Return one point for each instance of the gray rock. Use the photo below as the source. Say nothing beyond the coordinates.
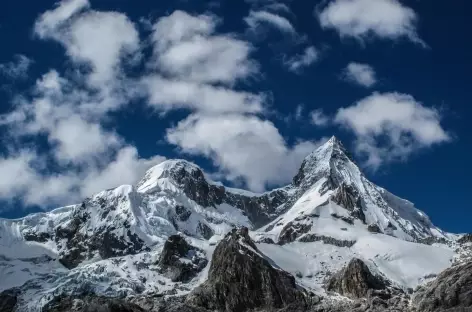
(8, 300)
(451, 291)
(355, 280)
(293, 230)
(241, 278)
(90, 303)
(180, 261)
(467, 238)
(309, 238)
(374, 228)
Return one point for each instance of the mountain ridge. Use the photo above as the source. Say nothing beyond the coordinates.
(111, 242)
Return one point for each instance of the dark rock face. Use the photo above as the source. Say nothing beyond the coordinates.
(90, 303)
(326, 240)
(39, 237)
(293, 230)
(451, 291)
(374, 228)
(347, 196)
(259, 209)
(243, 279)
(205, 231)
(467, 238)
(103, 241)
(8, 300)
(355, 280)
(180, 261)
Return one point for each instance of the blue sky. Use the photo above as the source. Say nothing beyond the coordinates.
(92, 93)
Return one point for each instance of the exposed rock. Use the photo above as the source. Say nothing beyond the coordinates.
(78, 245)
(326, 240)
(355, 280)
(347, 196)
(266, 240)
(451, 291)
(432, 240)
(260, 209)
(374, 228)
(467, 238)
(8, 300)
(241, 278)
(182, 213)
(90, 303)
(293, 230)
(180, 261)
(40, 237)
(205, 230)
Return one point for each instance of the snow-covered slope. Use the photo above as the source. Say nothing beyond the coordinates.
(329, 214)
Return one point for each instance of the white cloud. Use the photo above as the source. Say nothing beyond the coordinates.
(362, 18)
(318, 118)
(86, 156)
(257, 18)
(243, 147)
(167, 94)
(197, 68)
(50, 20)
(186, 47)
(391, 126)
(298, 62)
(361, 74)
(17, 69)
(278, 7)
(99, 39)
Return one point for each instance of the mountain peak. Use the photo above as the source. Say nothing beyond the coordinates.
(171, 168)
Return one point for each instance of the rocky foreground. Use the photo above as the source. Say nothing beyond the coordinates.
(242, 278)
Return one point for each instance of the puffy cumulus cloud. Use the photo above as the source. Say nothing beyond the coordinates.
(362, 18)
(360, 74)
(186, 47)
(98, 39)
(243, 147)
(300, 61)
(166, 94)
(195, 68)
(87, 157)
(391, 126)
(78, 155)
(257, 18)
(35, 187)
(16, 69)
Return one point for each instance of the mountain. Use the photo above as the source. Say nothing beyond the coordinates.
(165, 243)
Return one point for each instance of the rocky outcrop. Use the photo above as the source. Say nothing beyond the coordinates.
(451, 291)
(180, 261)
(309, 238)
(374, 228)
(90, 303)
(241, 278)
(77, 243)
(8, 300)
(294, 229)
(355, 280)
(259, 208)
(467, 238)
(347, 196)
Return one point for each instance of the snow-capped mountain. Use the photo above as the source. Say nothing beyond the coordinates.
(112, 244)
